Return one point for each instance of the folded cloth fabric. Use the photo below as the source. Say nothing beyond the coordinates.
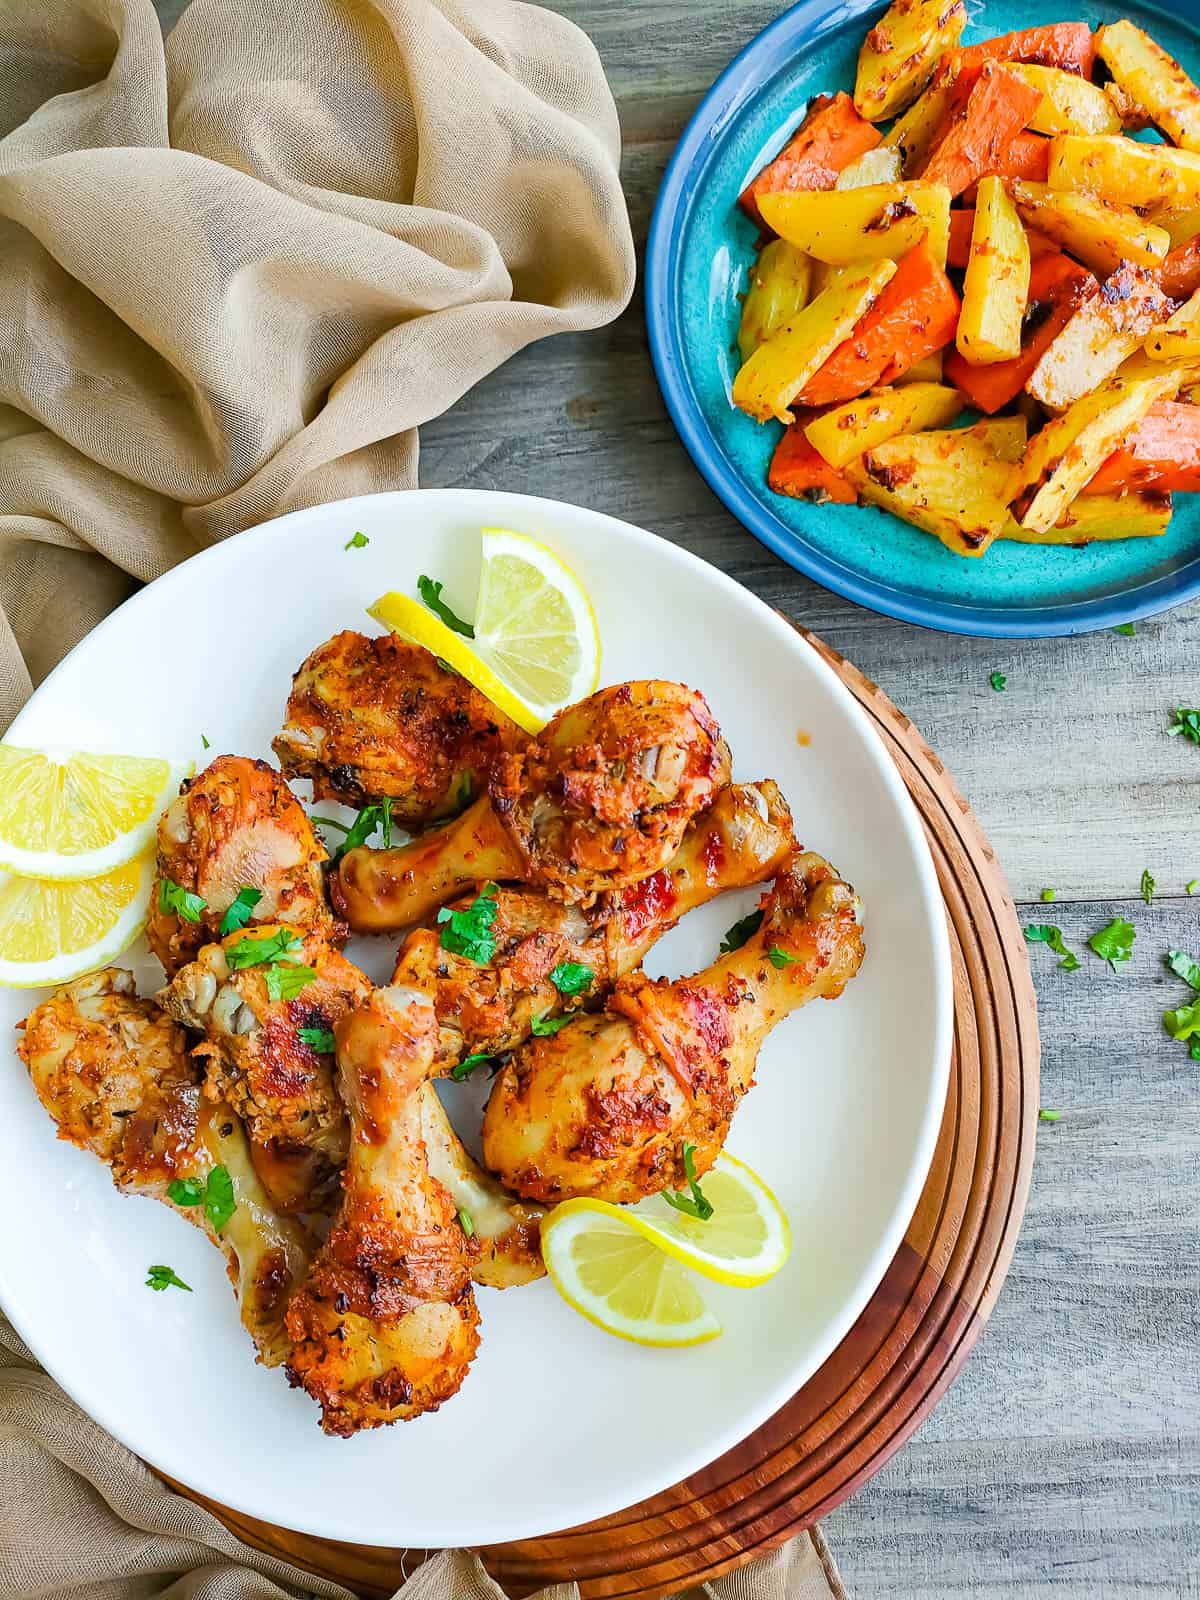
(81, 1518)
(238, 271)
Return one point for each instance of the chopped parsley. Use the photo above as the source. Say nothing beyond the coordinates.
(998, 682)
(1127, 628)
(238, 914)
(1114, 942)
(1187, 723)
(215, 1194)
(1049, 1116)
(204, 742)
(285, 983)
(1183, 1022)
(697, 1205)
(284, 945)
(466, 1223)
(1044, 933)
(1192, 886)
(1148, 885)
(469, 933)
(545, 1025)
(356, 541)
(467, 1065)
(321, 1040)
(166, 1278)
(572, 977)
(173, 897)
(741, 931)
(780, 958)
(431, 594)
(1047, 896)
(376, 815)
(1183, 966)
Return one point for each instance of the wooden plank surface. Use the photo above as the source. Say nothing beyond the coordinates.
(1066, 1459)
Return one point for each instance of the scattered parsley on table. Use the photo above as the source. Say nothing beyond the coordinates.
(1047, 896)
(1187, 723)
(1128, 628)
(1148, 885)
(1045, 933)
(998, 682)
(1114, 942)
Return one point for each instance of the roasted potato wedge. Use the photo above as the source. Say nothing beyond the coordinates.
(950, 483)
(881, 165)
(1105, 330)
(996, 285)
(1139, 514)
(1181, 224)
(847, 431)
(1070, 104)
(1153, 80)
(849, 225)
(1178, 338)
(927, 370)
(1100, 234)
(780, 368)
(913, 133)
(1122, 171)
(900, 52)
(780, 287)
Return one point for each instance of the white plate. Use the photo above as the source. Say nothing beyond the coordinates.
(557, 1423)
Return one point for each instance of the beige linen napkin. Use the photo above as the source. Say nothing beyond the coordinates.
(238, 271)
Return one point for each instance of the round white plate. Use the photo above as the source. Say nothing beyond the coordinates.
(557, 1423)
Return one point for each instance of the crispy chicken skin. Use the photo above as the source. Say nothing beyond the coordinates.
(603, 1107)
(281, 1085)
(489, 1007)
(235, 826)
(599, 800)
(116, 1076)
(385, 1325)
(374, 718)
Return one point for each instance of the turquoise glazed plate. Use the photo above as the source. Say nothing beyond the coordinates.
(700, 253)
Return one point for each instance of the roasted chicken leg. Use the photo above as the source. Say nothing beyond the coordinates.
(604, 1107)
(598, 801)
(385, 1325)
(116, 1076)
(370, 719)
(235, 826)
(488, 1006)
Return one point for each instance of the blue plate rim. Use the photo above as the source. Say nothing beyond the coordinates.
(739, 81)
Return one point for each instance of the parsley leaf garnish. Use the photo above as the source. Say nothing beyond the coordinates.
(431, 594)
(1148, 885)
(1187, 723)
(1044, 933)
(467, 1065)
(166, 1278)
(204, 742)
(1049, 1116)
(998, 681)
(1192, 886)
(542, 1027)
(469, 933)
(215, 1194)
(741, 931)
(1182, 965)
(1114, 942)
(377, 815)
(1047, 896)
(572, 977)
(356, 541)
(780, 958)
(285, 983)
(321, 1040)
(1125, 627)
(173, 897)
(466, 1223)
(697, 1206)
(252, 952)
(1183, 1022)
(238, 914)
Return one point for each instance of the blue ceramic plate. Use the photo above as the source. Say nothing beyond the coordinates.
(700, 252)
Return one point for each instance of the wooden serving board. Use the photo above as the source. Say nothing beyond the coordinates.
(906, 1348)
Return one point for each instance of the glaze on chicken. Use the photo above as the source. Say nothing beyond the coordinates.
(235, 826)
(604, 1107)
(488, 1007)
(375, 718)
(599, 801)
(385, 1326)
(115, 1074)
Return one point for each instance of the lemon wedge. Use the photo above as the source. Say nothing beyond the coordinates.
(745, 1241)
(536, 646)
(51, 932)
(67, 814)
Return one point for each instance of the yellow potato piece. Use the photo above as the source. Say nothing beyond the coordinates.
(1137, 514)
(780, 286)
(1179, 337)
(881, 165)
(1123, 171)
(841, 226)
(1070, 104)
(1100, 233)
(845, 432)
(1153, 80)
(996, 285)
(900, 52)
(1107, 328)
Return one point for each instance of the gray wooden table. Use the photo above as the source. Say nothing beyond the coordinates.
(1066, 1459)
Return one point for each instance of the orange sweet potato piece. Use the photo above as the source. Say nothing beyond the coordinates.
(799, 470)
(1057, 286)
(1070, 46)
(831, 136)
(914, 315)
(1179, 274)
(1024, 156)
(1163, 452)
(981, 129)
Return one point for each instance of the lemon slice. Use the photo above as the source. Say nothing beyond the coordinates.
(536, 645)
(743, 1243)
(616, 1277)
(66, 814)
(52, 932)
